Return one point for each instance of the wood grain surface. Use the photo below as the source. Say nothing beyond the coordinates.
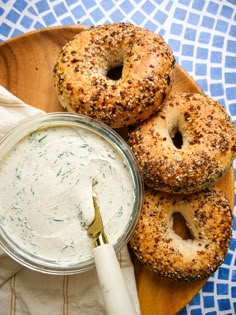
(26, 64)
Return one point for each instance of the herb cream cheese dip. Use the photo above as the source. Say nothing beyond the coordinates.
(46, 192)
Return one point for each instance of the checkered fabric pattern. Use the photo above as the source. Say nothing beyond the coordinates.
(202, 35)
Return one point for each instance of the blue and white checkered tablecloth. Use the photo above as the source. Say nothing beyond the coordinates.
(202, 35)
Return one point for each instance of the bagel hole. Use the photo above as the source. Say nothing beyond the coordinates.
(180, 227)
(177, 139)
(115, 73)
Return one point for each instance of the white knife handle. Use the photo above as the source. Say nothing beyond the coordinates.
(114, 290)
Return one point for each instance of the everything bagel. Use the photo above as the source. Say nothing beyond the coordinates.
(81, 73)
(209, 218)
(204, 153)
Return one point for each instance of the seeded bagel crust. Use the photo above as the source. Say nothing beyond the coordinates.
(209, 218)
(80, 74)
(207, 151)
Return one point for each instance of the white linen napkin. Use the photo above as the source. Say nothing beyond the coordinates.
(23, 291)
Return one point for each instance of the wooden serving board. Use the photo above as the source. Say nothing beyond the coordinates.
(26, 64)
